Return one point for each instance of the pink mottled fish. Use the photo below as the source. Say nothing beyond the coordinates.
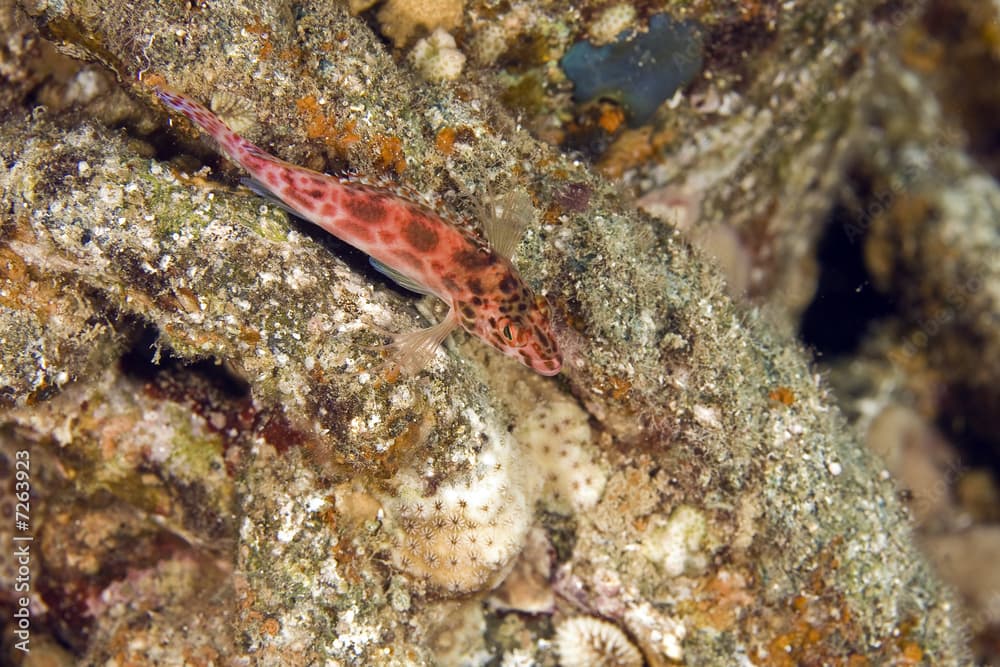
(415, 246)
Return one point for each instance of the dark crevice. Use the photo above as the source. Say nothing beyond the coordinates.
(846, 302)
(148, 358)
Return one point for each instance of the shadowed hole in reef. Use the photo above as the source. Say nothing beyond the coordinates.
(148, 357)
(846, 302)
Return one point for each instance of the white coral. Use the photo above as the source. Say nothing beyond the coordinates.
(676, 545)
(557, 437)
(518, 658)
(463, 536)
(437, 58)
(584, 641)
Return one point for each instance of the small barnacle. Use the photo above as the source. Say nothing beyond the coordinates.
(235, 111)
(584, 640)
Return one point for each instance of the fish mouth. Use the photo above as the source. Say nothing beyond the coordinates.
(540, 368)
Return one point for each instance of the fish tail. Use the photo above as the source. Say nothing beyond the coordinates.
(236, 147)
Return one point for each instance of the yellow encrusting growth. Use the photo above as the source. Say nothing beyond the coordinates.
(612, 22)
(402, 20)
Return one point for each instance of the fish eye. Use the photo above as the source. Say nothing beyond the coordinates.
(514, 336)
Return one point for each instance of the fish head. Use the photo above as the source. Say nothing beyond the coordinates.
(520, 326)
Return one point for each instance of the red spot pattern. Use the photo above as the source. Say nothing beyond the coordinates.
(408, 237)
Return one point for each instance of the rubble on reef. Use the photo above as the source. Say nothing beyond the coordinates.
(225, 472)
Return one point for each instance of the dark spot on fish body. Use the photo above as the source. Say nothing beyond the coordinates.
(297, 200)
(474, 260)
(365, 208)
(420, 234)
(410, 259)
(253, 162)
(388, 237)
(476, 287)
(468, 323)
(467, 311)
(358, 231)
(508, 285)
(477, 301)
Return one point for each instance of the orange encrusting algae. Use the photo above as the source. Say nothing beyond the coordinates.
(411, 243)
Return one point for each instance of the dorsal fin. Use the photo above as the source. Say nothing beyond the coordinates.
(504, 219)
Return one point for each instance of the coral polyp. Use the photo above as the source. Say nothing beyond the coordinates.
(585, 641)
(462, 537)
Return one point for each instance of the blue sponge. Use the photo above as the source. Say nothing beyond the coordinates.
(640, 73)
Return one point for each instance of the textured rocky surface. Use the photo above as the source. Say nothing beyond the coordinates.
(684, 491)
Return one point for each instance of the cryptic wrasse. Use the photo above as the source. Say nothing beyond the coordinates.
(414, 245)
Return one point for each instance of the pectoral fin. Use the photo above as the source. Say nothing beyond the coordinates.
(397, 277)
(413, 351)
